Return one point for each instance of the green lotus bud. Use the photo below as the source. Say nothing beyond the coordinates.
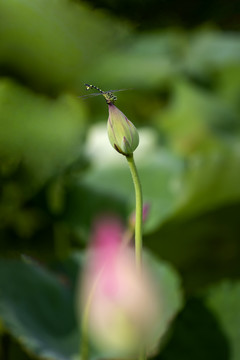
(122, 133)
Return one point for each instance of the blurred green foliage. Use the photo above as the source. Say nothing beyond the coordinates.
(58, 171)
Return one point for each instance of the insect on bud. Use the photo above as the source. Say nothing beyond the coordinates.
(122, 133)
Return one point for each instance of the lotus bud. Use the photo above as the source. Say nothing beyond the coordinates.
(122, 133)
(124, 305)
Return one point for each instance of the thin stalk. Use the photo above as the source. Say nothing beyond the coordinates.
(84, 337)
(139, 210)
(84, 353)
(138, 225)
(84, 332)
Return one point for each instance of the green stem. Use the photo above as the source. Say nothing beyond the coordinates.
(84, 333)
(139, 210)
(138, 225)
(84, 346)
(142, 354)
(84, 352)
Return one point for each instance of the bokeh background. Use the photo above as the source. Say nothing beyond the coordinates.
(181, 64)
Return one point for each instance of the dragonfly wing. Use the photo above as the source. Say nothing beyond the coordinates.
(89, 95)
(112, 91)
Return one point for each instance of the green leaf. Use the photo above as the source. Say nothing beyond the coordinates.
(224, 302)
(196, 335)
(206, 185)
(37, 308)
(45, 134)
(211, 50)
(196, 119)
(170, 291)
(204, 248)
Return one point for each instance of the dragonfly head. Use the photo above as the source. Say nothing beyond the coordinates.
(109, 97)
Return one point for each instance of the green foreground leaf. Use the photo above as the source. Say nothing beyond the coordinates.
(208, 327)
(224, 301)
(37, 308)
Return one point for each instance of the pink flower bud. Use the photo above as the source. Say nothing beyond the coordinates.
(124, 304)
(122, 134)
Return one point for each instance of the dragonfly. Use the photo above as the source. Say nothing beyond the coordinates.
(108, 95)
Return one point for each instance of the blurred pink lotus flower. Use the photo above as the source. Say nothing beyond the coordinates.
(124, 304)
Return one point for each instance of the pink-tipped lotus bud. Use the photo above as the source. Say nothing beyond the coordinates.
(122, 133)
(123, 304)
